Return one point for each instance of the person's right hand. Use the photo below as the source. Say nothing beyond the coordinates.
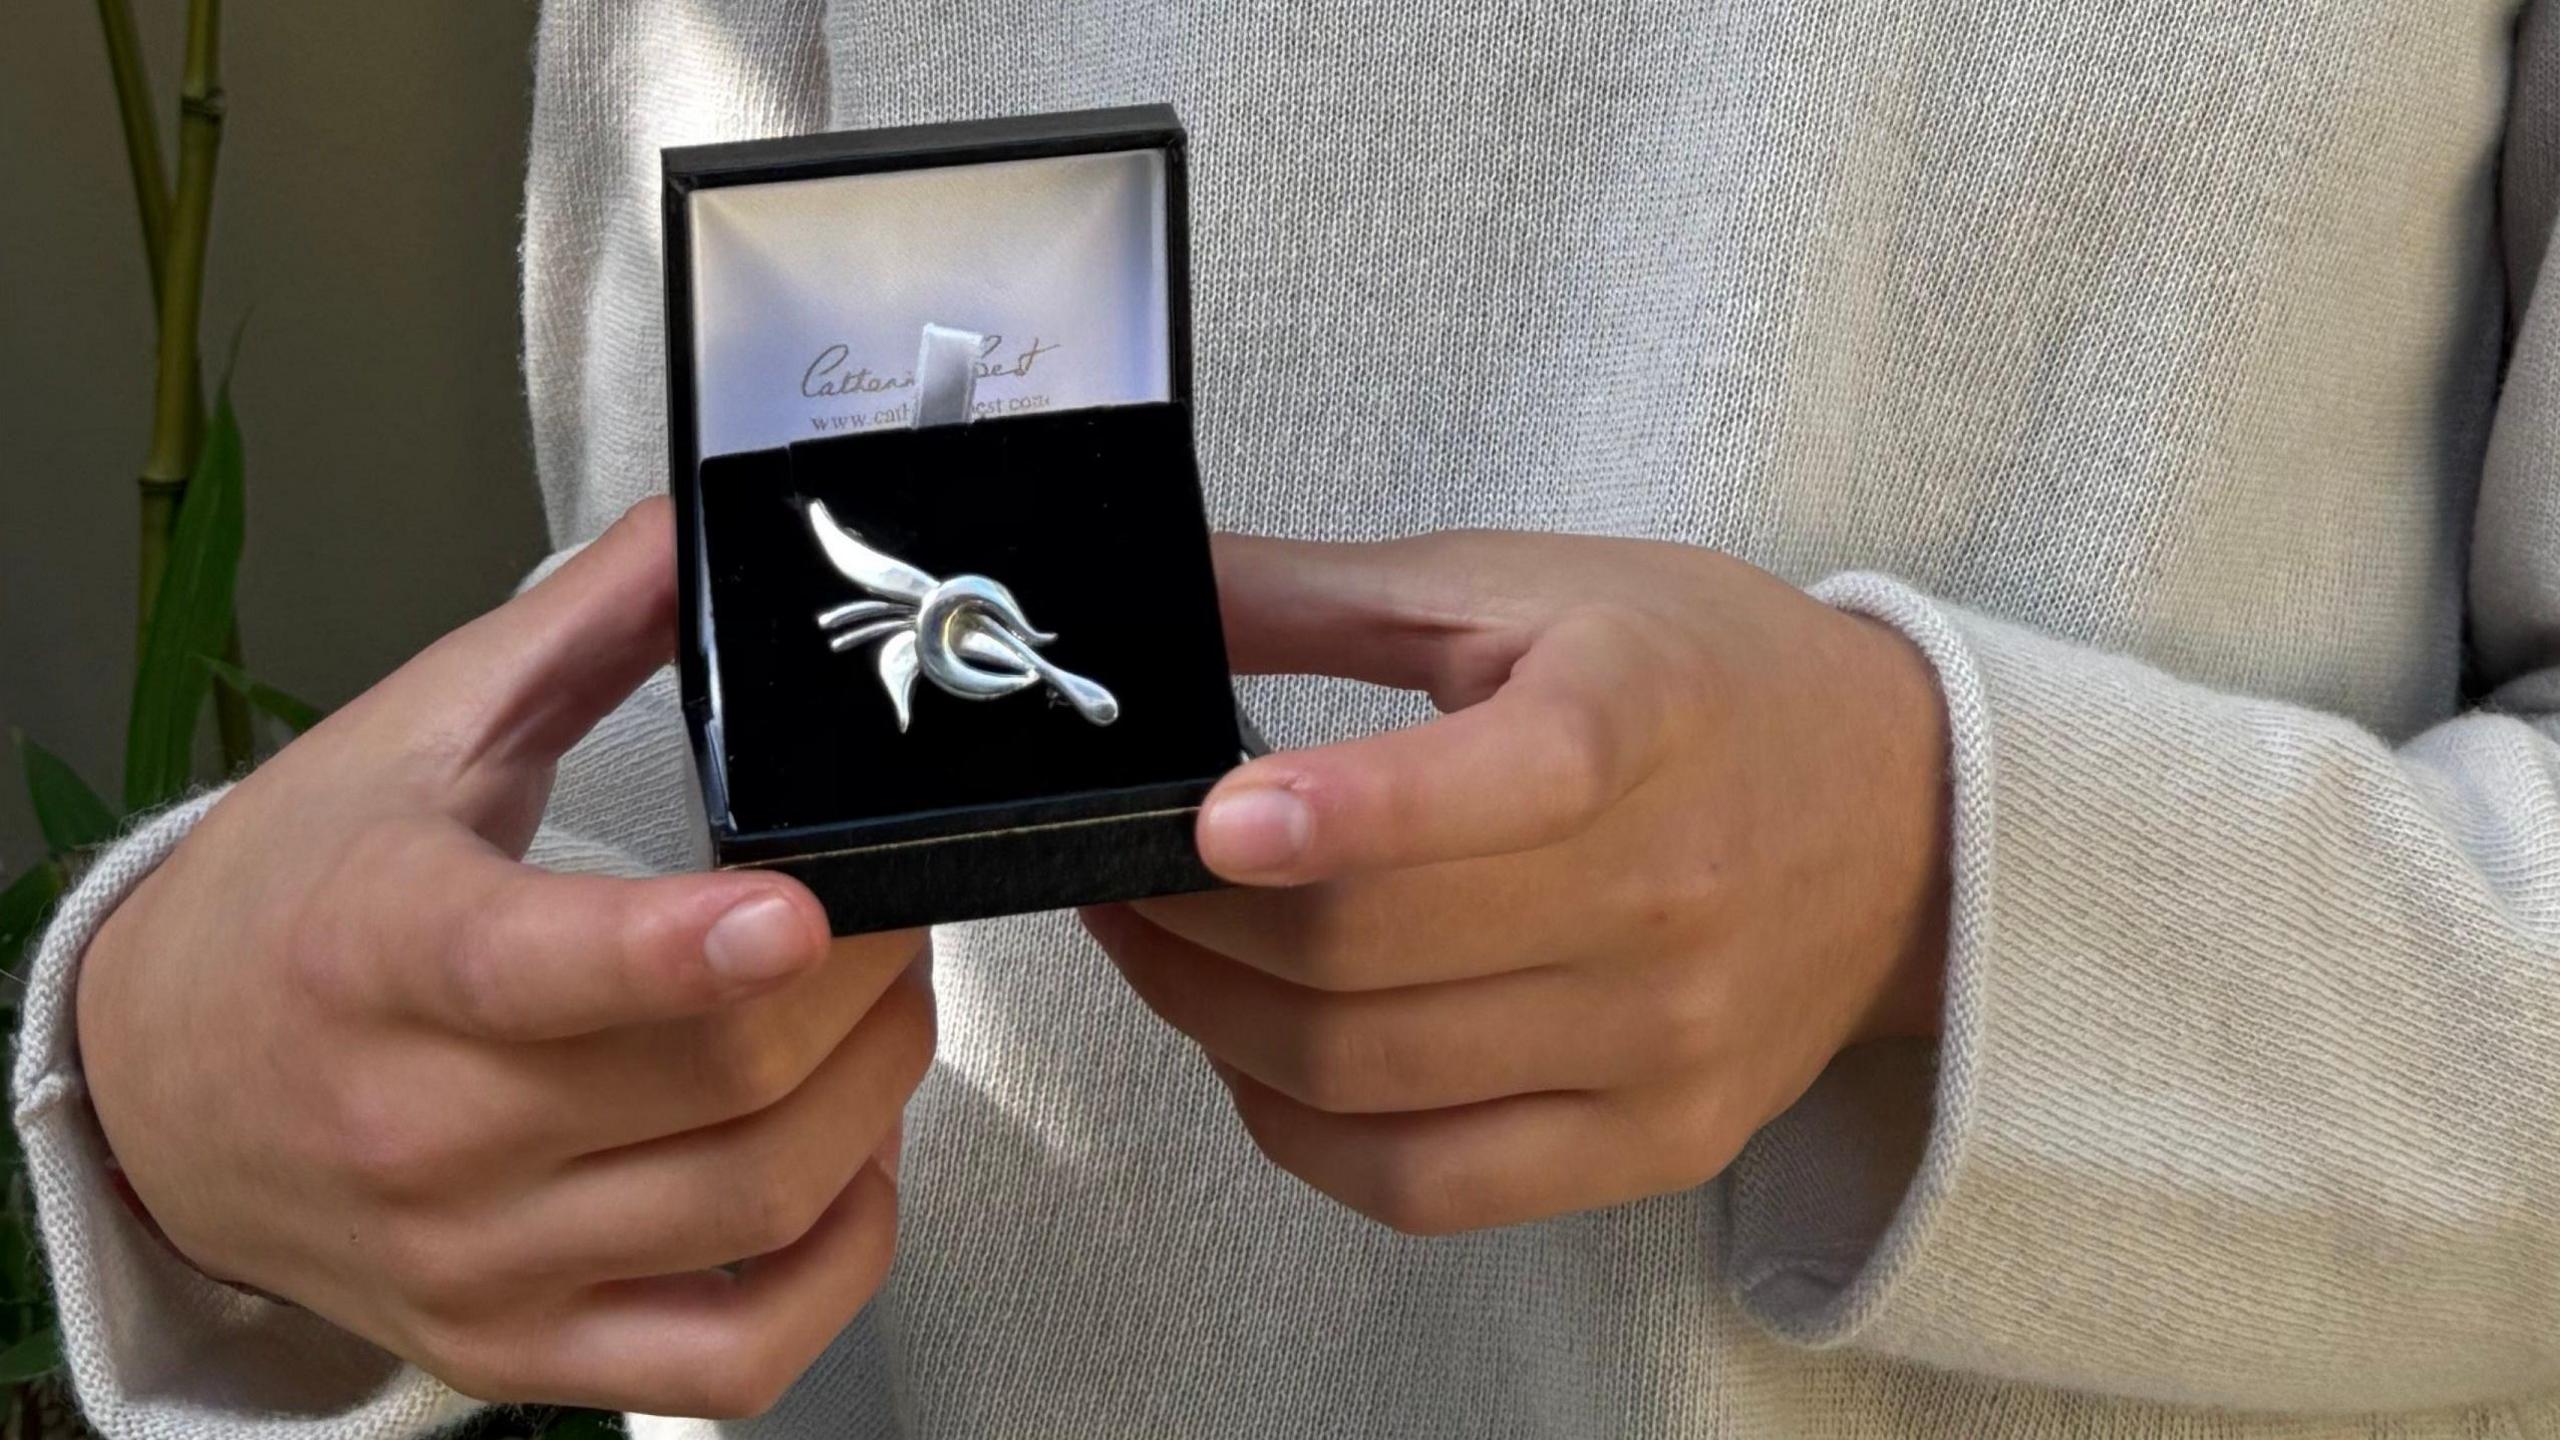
(514, 1126)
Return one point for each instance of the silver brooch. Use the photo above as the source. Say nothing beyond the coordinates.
(967, 634)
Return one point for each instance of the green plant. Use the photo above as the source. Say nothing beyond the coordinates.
(193, 524)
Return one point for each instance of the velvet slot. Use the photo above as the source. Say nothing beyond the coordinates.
(1093, 519)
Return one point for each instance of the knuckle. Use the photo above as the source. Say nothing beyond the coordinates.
(436, 1272)
(776, 1201)
(1460, 544)
(1668, 1017)
(754, 1219)
(1612, 628)
(1262, 1115)
(1691, 901)
(1583, 761)
(390, 1146)
(323, 944)
(738, 1374)
(314, 949)
(1695, 1142)
(395, 845)
(1414, 1192)
(888, 950)
(746, 1065)
(1620, 652)
(912, 1033)
(1335, 1061)
(484, 1367)
(1256, 1120)
(1684, 1035)
(478, 959)
(743, 1390)
(1329, 951)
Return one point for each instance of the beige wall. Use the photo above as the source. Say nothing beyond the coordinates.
(366, 227)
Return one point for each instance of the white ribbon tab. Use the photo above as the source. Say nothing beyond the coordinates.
(947, 376)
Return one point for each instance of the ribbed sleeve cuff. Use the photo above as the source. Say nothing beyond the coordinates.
(2245, 1077)
(1834, 1202)
(154, 1348)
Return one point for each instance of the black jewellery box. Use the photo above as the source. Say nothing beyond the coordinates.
(950, 641)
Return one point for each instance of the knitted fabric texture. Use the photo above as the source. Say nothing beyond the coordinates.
(2185, 367)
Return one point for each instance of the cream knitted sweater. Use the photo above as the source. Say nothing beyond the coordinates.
(2186, 364)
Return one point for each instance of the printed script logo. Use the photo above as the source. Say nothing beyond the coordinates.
(828, 378)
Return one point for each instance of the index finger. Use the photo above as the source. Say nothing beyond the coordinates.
(458, 935)
(1415, 614)
(1576, 725)
(497, 701)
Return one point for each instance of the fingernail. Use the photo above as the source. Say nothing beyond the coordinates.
(1252, 831)
(757, 940)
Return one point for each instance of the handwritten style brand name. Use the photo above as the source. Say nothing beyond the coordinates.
(827, 376)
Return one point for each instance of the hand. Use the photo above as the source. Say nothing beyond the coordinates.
(1678, 841)
(504, 1122)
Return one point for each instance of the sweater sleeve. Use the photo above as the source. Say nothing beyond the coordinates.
(2249, 1086)
(155, 1349)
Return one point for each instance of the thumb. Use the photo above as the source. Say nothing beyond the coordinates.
(466, 939)
(1573, 729)
(496, 702)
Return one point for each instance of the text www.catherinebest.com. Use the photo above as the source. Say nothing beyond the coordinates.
(904, 414)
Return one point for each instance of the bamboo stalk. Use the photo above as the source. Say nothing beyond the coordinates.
(176, 421)
(177, 412)
(141, 135)
(142, 153)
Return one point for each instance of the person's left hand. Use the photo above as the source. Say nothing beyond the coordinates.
(1678, 840)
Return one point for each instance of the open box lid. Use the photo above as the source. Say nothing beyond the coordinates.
(800, 271)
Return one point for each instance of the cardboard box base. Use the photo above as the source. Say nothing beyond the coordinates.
(1003, 872)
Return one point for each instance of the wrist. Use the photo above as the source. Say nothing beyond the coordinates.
(1906, 760)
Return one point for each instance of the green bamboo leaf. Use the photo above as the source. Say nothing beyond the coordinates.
(189, 620)
(37, 1355)
(24, 905)
(296, 715)
(69, 813)
(17, 1261)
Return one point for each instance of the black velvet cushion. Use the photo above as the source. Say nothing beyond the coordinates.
(1092, 518)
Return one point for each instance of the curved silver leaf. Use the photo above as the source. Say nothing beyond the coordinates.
(847, 613)
(898, 673)
(884, 576)
(861, 633)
